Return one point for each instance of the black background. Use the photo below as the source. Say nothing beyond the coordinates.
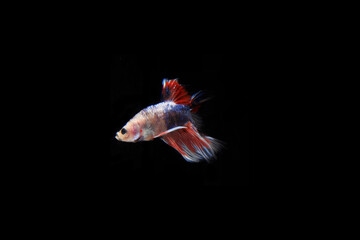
(136, 82)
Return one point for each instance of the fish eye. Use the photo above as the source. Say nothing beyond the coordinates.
(123, 131)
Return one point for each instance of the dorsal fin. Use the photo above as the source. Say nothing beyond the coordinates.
(173, 91)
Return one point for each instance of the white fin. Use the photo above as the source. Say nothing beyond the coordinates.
(169, 131)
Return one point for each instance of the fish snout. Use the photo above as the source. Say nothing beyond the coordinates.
(117, 136)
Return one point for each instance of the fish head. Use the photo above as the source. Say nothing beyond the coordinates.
(129, 133)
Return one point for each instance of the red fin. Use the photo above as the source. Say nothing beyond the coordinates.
(191, 145)
(173, 91)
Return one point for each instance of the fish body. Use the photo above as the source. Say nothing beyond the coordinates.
(174, 121)
(154, 120)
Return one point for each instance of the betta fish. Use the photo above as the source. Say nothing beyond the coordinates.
(175, 122)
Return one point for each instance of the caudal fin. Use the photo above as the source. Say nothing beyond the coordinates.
(191, 145)
(173, 91)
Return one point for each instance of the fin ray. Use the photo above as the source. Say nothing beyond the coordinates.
(173, 91)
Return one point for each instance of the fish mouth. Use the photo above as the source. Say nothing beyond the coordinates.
(117, 137)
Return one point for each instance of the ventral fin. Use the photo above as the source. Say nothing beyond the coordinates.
(169, 131)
